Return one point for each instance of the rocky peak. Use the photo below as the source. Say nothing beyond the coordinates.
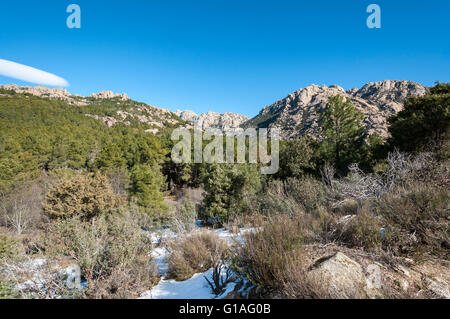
(42, 91)
(227, 121)
(297, 114)
(109, 95)
(390, 91)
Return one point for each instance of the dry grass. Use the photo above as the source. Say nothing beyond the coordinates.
(195, 253)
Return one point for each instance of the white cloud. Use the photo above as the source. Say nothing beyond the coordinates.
(29, 74)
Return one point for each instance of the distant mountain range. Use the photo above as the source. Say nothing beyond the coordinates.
(295, 116)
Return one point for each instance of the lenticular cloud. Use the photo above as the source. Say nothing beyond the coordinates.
(29, 74)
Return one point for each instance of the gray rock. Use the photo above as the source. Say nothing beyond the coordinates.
(297, 114)
(340, 277)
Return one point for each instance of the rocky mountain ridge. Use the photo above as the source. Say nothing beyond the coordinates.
(297, 114)
(227, 121)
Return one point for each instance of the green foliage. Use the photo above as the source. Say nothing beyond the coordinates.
(9, 247)
(424, 121)
(7, 290)
(296, 158)
(147, 183)
(82, 194)
(292, 196)
(39, 134)
(343, 133)
(186, 215)
(226, 187)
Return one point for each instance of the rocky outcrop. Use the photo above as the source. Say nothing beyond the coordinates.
(109, 95)
(297, 114)
(226, 122)
(45, 92)
(339, 276)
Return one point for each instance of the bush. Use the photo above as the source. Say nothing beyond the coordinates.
(7, 290)
(292, 196)
(419, 215)
(274, 259)
(265, 254)
(195, 253)
(296, 158)
(10, 248)
(83, 194)
(186, 214)
(361, 230)
(109, 249)
(226, 188)
(423, 122)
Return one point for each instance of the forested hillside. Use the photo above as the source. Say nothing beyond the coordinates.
(89, 182)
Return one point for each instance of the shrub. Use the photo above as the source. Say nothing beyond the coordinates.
(22, 208)
(296, 158)
(186, 214)
(10, 248)
(274, 259)
(292, 196)
(83, 194)
(109, 249)
(195, 253)
(361, 230)
(423, 121)
(7, 290)
(264, 255)
(419, 214)
(226, 188)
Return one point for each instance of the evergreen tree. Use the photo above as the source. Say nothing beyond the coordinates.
(343, 133)
(147, 183)
(423, 122)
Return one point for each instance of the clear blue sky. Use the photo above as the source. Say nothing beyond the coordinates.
(228, 55)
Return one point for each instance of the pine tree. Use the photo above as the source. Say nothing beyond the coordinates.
(423, 122)
(146, 185)
(343, 133)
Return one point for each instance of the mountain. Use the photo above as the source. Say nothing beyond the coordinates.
(297, 114)
(227, 121)
(106, 106)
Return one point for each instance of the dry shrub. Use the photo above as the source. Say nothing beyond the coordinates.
(360, 230)
(109, 250)
(264, 255)
(21, 210)
(195, 253)
(418, 216)
(274, 260)
(82, 194)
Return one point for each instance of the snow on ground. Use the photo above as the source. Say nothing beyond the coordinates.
(196, 287)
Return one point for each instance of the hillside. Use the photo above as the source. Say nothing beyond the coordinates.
(297, 114)
(106, 106)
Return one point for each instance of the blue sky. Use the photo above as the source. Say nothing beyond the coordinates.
(236, 56)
